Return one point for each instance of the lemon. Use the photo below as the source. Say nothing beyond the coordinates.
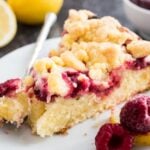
(142, 140)
(34, 11)
(8, 24)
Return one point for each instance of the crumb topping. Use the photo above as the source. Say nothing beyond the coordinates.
(90, 52)
(139, 48)
(79, 28)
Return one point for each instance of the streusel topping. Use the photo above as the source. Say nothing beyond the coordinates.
(83, 26)
(139, 48)
(90, 53)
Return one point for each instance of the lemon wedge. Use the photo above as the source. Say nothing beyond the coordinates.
(8, 24)
(33, 11)
(142, 140)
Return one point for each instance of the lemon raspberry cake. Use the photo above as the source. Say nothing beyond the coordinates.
(99, 64)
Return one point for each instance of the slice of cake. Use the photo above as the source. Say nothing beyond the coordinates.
(14, 103)
(98, 65)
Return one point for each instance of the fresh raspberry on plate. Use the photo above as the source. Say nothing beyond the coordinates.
(135, 115)
(113, 137)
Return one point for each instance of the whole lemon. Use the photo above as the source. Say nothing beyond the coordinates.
(34, 11)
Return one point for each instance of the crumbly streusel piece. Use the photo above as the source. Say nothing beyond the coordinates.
(139, 48)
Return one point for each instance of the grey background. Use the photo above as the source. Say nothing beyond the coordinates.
(27, 34)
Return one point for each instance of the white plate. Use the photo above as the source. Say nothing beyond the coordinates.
(80, 137)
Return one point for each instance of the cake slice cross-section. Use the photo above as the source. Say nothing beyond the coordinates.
(98, 64)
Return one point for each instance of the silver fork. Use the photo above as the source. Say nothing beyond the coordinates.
(50, 19)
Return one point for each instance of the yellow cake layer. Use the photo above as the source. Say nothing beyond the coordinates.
(64, 113)
(14, 109)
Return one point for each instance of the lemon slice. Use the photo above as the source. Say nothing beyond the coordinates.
(8, 24)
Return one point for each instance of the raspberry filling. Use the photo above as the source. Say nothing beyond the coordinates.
(137, 64)
(114, 81)
(80, 83)
(41, 89)
(9, 87)
(142, 3)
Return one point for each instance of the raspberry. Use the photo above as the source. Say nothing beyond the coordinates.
(9, 86)
(78, 82)
(135, 115)
(137, 64)
(113, 137)
(41, 90)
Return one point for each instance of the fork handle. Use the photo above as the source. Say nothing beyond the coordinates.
(50, 19)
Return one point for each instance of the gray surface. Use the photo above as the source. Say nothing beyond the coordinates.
(27, 34)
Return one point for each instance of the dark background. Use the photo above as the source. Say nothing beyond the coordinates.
(27, 34)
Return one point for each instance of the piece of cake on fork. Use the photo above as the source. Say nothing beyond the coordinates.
(99, 64)
(14, 102)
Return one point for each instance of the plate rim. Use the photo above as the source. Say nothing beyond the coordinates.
(30, 44)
